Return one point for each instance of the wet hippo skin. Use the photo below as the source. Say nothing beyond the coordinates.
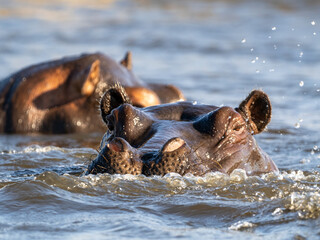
(182, 137)
(62, 96)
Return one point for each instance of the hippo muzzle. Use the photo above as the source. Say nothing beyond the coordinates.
(182, 137)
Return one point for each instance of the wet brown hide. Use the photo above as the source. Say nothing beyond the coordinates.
(183, 137)
(62, 96)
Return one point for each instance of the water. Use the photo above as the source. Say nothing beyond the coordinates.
(216, 52)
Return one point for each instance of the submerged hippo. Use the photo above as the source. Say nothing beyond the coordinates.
(182, 137)
(61, 96)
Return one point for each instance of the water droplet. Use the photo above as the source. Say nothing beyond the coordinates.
(78, 123)
(257, 58)
(257, 71)
(314, 34)
(253, 61)
(243, 40)
(313, 23)
(277, 211)
(297, 125)
(264, 61)
(273, 28)
(271, 70)
(315, 147)
(269, 37)
(275, 47)
(301, 83)
(318, 90)
(251, 49)
(292, 29)
(301, 54)
(136, 120)
(305, 160)
(298, 45)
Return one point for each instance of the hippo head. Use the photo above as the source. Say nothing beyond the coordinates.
(61, 96)
(90, 75)
(182, 137)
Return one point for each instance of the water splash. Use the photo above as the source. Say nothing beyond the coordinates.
(306, 204)
(301, 83)
(277, 212)
(241, 225)
(300, 54)
(34, 149)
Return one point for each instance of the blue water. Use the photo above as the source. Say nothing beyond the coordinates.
(216, 52)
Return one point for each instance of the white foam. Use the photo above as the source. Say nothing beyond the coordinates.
(307, 204)
(241, 225)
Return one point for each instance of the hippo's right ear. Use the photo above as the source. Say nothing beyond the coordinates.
(127, 61)
(111, 99)
(256, 110)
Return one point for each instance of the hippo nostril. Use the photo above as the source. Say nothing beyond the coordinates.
(172, 145)
(119, 145)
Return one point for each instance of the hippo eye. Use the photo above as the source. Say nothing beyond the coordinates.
(239, 129)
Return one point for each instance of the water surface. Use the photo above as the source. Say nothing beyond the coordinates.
(216, 52)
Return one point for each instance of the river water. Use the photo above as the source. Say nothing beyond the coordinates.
(216, 52)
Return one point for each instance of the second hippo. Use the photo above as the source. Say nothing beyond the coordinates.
(61, 96)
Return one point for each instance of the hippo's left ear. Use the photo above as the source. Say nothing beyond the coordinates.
(111, 99)
(256, 110)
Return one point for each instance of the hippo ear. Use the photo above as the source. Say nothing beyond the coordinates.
(142, 97)
(256, 110)
(91, 79)
(127, 61)
(111, 99)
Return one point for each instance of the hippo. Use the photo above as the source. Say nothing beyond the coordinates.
(61, 96)
(182, 137)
